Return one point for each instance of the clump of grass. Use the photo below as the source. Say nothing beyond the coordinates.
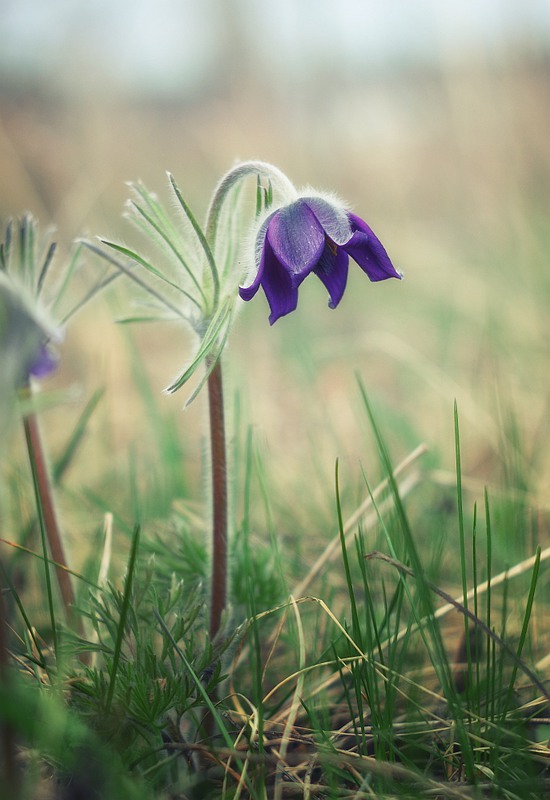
(382, 673)
(390, 647)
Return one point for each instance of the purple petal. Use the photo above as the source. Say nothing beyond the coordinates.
(368, 251)
(333, 219)
(44, 362)
(332, 270)
(297, 240)
(281, 295)
(248, 292)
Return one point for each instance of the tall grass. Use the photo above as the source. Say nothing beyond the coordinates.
(364, 676)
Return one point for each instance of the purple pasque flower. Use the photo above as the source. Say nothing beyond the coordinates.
(313, 234)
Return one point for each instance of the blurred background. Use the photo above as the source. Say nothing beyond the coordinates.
(430, 119)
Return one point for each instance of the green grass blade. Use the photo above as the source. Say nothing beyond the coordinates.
(423, 604)
(524, 631)
(64, 461)
(349, 580)
(30, 628)
(461, 536)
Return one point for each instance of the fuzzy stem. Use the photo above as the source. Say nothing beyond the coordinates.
(45, 498)
(218, 588)
(278, 180)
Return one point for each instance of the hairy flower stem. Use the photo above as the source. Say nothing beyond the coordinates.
(218, 454)
(45, 500)
(281, 184)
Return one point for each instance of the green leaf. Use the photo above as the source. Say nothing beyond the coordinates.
(125, 269)
(201, 237)
(207, 344)
(72, 445)
(149, 267)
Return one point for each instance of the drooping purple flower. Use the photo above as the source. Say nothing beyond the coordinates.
(316, 235)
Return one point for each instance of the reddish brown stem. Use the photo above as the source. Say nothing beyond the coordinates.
(218, 589)
(43, 487)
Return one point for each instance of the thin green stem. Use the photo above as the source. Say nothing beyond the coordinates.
(218, 455)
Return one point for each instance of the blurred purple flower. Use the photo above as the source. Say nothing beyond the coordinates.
(26, 334)
(44, 362)
(317, 235)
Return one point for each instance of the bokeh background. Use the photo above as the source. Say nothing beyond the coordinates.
(431, 119)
